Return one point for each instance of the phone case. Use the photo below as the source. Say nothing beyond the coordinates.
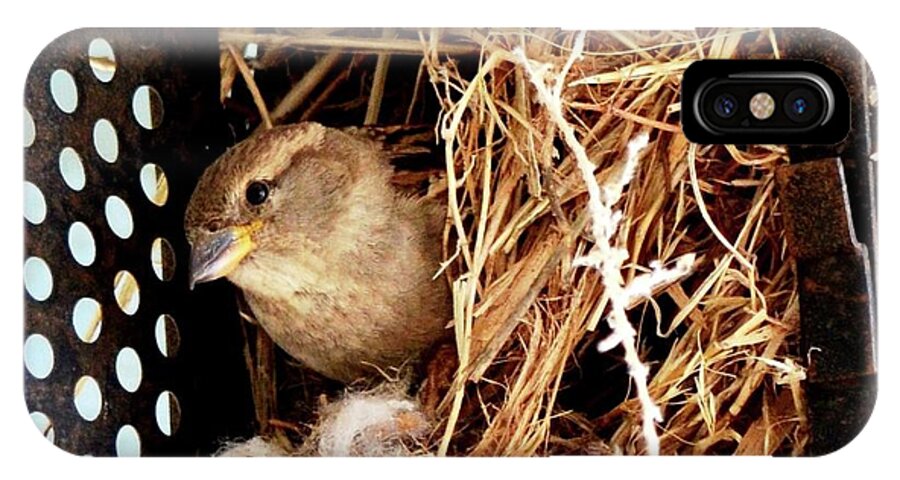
(467, 242)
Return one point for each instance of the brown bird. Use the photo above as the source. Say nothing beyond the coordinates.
(335, 263)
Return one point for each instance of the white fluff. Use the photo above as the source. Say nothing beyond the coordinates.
(376, 423)
(370, 424)
(255, 447)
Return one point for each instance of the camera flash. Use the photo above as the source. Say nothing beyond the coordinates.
(762, 106)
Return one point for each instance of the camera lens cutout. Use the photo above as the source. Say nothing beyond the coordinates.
(725, 105)
(801, 105)
(763, 101)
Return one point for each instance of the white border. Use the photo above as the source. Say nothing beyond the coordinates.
(870, 26)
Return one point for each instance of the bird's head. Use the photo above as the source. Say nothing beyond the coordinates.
(277, 192)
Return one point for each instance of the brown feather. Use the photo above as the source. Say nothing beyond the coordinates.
(341, 273)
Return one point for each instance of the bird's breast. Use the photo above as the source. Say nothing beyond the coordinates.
(334, 333)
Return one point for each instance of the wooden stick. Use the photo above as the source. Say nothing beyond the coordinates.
(347, 44)
(301, 91)
(251, 84)
(377, 92)
(319, 102)
(415, 94)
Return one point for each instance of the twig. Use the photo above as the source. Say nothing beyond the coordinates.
(415, 93)
(448, 131)
(666, 127)
(229, 71)
(251, 85)
(462, 327)
(277, 423)
(299, 92)
(323, 97)
(347, 44)
(701, 206)
(259, 357)
(377, 92)
(634, 73)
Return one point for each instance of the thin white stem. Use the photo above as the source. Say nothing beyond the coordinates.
(605, 256)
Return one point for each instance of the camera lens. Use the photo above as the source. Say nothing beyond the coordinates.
(725, 105)
(801, 105)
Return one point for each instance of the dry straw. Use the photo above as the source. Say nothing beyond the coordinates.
(563, 151)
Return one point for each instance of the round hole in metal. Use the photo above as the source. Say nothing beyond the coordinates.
(106, 140)
(102, 59)
(128, 369)
(127, 292)
(88, 399)
(35, 205)
(147, 106)
(168, 339)
(118, 217)
(87, 318)
(155, 184)
(38, 356)
(64, 90)
(38, 279)
(44, 425)
(29, 128)
(71, 168)
(128, 442)
(162, 259)
(168, 413)
(81, 244)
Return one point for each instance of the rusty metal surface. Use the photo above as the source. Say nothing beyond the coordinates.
(815, 209)
(833, 234)
(828, 200)
(836, 317)
(857, 151)
(834, 277)
(207, 374)
(833, 270)
(838, 411)
(837, 323)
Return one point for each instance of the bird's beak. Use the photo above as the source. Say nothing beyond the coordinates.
(217, 254)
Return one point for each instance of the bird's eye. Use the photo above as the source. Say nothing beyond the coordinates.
(257, 193)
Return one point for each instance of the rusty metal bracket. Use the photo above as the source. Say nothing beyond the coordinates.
(828, 201)
(836, 307)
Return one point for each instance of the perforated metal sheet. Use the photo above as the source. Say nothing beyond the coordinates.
(207, 373)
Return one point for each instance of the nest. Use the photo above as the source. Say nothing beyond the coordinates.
(671, 256)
